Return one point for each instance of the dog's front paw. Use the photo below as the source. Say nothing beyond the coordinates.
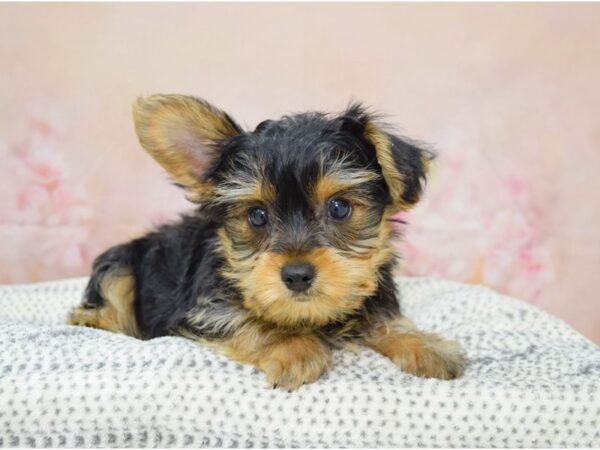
(429, 356)
(422, 354)
(295, 361)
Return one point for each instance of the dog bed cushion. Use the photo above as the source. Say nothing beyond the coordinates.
(531, 381)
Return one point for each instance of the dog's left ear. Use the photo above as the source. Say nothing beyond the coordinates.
(403, 164)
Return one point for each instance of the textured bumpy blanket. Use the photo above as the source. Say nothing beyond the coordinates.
(531, 381)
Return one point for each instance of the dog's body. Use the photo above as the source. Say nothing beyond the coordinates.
(288, 254)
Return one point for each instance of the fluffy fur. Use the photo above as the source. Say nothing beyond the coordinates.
(216, 277)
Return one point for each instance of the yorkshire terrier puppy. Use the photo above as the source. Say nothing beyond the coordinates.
(289, 251)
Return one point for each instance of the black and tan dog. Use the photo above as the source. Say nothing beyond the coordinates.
(289, 252)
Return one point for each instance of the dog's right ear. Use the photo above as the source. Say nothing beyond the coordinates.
(182, 134)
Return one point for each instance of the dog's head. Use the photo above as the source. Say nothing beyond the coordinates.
(303, 202)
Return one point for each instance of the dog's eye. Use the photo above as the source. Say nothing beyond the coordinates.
(257, 217)
(339, 208)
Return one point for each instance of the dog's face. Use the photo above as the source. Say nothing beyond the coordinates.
(303, 202)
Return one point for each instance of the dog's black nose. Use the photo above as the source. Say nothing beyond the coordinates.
(298, 277)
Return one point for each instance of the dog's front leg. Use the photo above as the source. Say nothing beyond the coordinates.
(288, 359)
(294, 361)
(422, 354)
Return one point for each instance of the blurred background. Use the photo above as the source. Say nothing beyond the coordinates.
(508, 94)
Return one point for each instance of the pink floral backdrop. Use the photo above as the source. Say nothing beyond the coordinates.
(512, 201)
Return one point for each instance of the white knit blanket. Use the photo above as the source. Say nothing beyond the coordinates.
(531, 381)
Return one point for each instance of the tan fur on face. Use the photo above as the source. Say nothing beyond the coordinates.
(117, 314)
(422, 354)
(336, 182)
(343, 279)
(180, 133)
(244, 192)
(339, 288)
(245, 189)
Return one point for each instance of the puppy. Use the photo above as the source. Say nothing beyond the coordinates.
(289, 251)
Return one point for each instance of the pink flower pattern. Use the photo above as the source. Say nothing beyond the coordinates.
(472, 233)
(44, 214)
